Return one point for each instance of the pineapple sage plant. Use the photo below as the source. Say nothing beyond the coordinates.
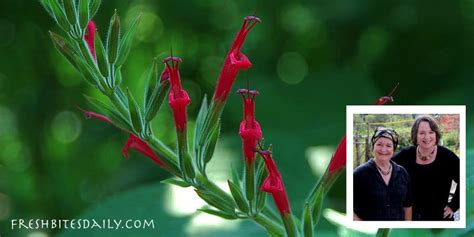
(100, 62)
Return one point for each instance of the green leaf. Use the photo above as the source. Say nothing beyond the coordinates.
(94, 7)
(235, 175)
(210, 143)
(46, 5)
(156, 99)
(177, 182)
(135, 114)
(126, 41)
(218, 213)
(113, 38)
(83, 14)
(71, 12)
(200, 119)
(110, 112)
(117, 76)
(238, 197)
(152, 80)
(261, 174)
(307, 221)
(65, 48)
(214, 201)
(60, 15)
(101, 56)
(317, 204)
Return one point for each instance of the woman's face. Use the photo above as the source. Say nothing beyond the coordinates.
(383, 149)
(425, 138)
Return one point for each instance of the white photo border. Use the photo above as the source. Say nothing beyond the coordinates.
(406, 109)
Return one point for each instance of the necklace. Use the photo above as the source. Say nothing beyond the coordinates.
(384, 173)
(427, 157)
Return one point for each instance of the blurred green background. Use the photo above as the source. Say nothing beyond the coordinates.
(310, 59)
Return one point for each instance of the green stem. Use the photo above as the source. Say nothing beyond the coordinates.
(269, 225)
(289, 225)
(119, 103)
(185, 162)
(250, 183)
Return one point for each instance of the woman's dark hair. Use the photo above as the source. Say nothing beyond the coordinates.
(386, 133)
(433, 125)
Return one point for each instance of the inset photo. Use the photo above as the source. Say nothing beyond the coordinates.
(406, 166)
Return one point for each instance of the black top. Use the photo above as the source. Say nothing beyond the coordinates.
(374, 200)
(431, 183)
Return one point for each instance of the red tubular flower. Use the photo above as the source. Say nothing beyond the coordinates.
(133, 141)
(250, 130)
(273, 184)
(138, 144)
(178, 98)
(234, 61)
(89, 36)
(90, 114)
(338, 160)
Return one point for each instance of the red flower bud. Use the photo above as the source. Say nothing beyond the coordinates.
(138, 144)
(90, 114)
(273, 184)
(338, 160)
(249, 130)
(89, 36)
(178, 98)
(383, 100)
(234, 61)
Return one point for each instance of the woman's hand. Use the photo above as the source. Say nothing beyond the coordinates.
(448, 213)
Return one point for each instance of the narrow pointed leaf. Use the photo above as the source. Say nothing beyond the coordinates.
(113, 38)
(101, 56)
(46, 5)
(65, 48)
(317, 204)
(70, 9)
(110, 112)
(235, 175)
(152, 80)
(118, 76)
(126, 41)
(238, 197)
(214, 201)
(261, 174)
(94, 7)
(83, 14)
(218, 213)
(211, 142)
(307, 221)
(135, 114)
(201, 117)
(177, 182)
(60, 15)
(156, 100)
